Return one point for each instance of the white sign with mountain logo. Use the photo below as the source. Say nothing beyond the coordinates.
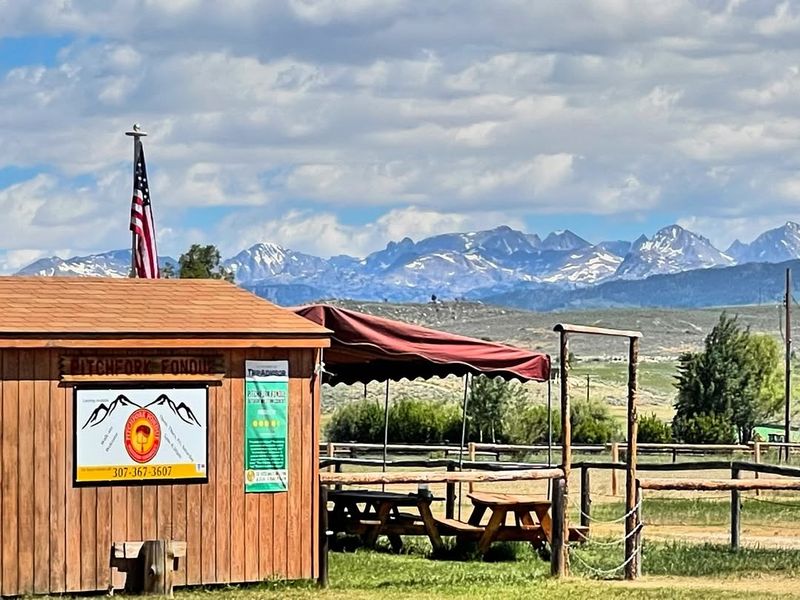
(139, 434)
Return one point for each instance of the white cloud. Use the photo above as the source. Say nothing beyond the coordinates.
(323, 234)
(722, 231)
(628, 195)
(443, 109)
(12, 261)
(784, 20)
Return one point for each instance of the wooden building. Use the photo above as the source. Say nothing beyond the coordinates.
(59, 334)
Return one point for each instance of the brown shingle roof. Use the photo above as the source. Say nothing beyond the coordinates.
(51, 305)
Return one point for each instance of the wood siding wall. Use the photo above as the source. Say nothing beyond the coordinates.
(56, 537)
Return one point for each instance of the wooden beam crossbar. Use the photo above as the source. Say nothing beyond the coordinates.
(589, 330)
(438, 476)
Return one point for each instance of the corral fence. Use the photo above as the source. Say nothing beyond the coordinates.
(483, 453)
(453, 472)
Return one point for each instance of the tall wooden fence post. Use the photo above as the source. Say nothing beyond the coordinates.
(736, 528)
(323, 536)
(560, 502)
(586, 497)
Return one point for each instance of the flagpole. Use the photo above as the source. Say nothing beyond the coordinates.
(136, 133)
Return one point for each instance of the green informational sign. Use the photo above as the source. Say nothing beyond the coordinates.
(266, 412)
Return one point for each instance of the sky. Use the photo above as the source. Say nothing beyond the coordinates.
(334, 126)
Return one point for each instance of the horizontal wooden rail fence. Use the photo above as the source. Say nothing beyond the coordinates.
(719, 484)
(475, 449)
(439, 476)
(428, 463)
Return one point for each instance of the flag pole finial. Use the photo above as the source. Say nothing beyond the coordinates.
(136, 131)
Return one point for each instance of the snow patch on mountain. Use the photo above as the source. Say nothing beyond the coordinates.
(776, 245)
(671, 250)
(585, 267)
(115, 263)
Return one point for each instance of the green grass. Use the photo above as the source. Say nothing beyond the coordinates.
(768, 510)
(657, 378)
(379, 575)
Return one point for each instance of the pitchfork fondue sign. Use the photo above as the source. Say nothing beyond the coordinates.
(140, 434)
(141, 365)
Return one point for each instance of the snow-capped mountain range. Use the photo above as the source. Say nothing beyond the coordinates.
(474, 264)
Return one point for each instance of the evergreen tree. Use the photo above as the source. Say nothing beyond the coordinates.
(203, 262)
(729, 387)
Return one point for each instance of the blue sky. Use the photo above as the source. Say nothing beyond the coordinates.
(334, 126)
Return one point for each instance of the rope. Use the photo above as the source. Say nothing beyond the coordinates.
(633, 532)
(619, 520)
(604, 572)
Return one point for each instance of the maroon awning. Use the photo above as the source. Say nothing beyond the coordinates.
(365, 348)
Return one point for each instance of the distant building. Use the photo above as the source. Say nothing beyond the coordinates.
(770, 432)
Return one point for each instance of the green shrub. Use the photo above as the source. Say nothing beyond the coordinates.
(704, 429)
(592, 423)
(653, 430)
(415, 421)
(527, 424)
(489, 399)
(360, 421)
(411, 421)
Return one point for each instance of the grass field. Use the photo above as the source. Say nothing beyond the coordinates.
(672, 571)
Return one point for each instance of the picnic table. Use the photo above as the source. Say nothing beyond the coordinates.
(370, 513)
(532, 521)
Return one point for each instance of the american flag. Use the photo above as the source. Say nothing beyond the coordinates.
(142, 225)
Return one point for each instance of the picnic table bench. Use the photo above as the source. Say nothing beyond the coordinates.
(532, 522)
(370, 513)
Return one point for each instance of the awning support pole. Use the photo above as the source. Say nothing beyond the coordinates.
(463, 437)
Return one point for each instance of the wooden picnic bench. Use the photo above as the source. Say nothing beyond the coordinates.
(369, 513)
(532, 522)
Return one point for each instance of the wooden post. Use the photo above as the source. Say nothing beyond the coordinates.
(322, 580)
(614, 459)
(337, 469)
(560, 540)
(558, 550)
(586, 497)
(331, 454)
(757, 460)
(736, 529)
(157, 568)
(148, 565)
(471, 454)
(450, 496)
(630, 478)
